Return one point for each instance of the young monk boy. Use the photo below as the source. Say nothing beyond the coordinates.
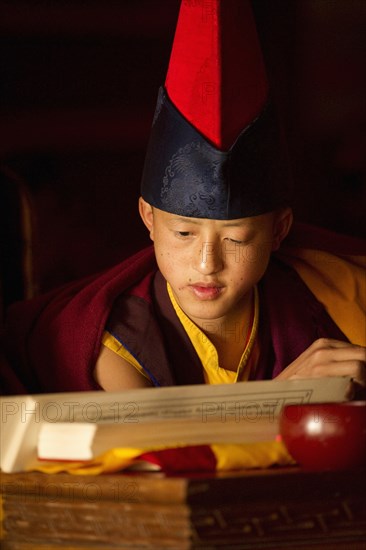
(218, 299)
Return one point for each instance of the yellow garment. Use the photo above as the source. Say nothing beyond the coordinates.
(228, 457)
(114, 345)
(254, 455)
(206, 351)
(338, 282)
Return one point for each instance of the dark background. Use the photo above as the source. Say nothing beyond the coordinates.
(78, 85)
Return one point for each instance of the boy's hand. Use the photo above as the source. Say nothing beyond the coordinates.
(327, 357)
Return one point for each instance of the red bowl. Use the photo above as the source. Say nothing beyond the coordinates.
(329, 436)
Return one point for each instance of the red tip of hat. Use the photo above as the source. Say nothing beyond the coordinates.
(216, 76)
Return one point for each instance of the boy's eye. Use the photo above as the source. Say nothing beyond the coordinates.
(183, 233)
(234, 241)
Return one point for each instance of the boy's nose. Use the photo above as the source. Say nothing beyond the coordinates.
(209, 258)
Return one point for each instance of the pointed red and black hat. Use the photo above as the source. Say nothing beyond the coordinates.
(215, 148)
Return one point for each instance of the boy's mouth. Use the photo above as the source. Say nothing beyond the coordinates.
(206, 291)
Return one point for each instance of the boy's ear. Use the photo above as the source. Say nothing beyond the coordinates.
(282, 225)
(147, 216)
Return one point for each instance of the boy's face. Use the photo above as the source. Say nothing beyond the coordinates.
(212, 265)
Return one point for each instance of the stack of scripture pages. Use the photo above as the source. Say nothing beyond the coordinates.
(81, 426)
